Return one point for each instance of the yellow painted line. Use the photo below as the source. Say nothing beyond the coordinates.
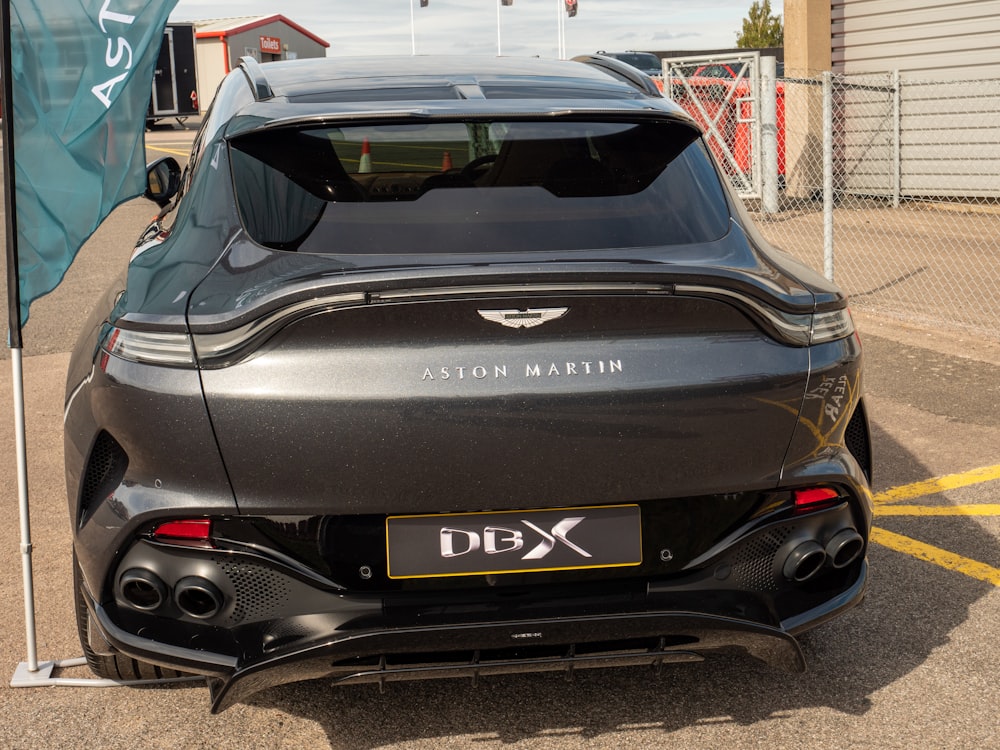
(985, 509)
(168, 150)
(938, 484)
(948, 560)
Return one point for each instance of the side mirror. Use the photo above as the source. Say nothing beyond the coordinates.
(163, 179)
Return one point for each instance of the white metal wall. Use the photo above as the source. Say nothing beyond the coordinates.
(947, 125)
(925, 39)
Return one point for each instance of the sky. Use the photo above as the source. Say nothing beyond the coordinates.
(528, 27)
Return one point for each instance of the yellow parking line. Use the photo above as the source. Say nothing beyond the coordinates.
(938, 484)
(949, 560)
(168, 150)
(985, 509)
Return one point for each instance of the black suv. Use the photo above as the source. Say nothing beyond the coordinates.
(472, 368)
(647, 62)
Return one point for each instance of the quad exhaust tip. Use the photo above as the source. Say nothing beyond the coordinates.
(195, 596)
(809, 557)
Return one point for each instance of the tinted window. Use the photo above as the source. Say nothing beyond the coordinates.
(477, 187)
(719, 71)
(642, 61)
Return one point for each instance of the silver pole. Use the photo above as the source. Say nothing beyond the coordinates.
(560, 31)
(22, 498)
(769, 134)
(413, 32)
(499, 53)
(828, 175)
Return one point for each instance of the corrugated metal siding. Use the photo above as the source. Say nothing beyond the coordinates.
(864, 149)
(948, 57)
(946, 39)
(950, 138)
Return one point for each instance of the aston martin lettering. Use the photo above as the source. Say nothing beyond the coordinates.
(600, 367)
(496, 540)
(523, 318)
(529, 370)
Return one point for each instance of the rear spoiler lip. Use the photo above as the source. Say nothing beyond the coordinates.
(270, 114)
(375, 286)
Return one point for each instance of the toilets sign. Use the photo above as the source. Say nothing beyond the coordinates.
(270, 45)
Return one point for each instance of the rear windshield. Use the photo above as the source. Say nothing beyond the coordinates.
(640, 60)
(477, 187)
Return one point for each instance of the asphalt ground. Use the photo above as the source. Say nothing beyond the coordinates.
(915, 666)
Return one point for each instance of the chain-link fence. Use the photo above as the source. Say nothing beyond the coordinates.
(893, 188)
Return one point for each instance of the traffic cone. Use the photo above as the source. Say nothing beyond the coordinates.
(446, 161)
(365, 165)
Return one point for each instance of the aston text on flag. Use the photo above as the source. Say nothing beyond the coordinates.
(81, 77)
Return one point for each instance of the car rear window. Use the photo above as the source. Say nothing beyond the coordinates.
(647, 61)
(477, 187)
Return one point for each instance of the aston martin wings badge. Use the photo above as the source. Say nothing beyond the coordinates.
(524, 318)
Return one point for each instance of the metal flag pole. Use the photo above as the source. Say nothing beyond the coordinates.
(14, 340)
(413, 32)
(30, 673)
(23, 508)
(560, 29)
(499, 53)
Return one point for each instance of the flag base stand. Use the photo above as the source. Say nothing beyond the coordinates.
(24, 677)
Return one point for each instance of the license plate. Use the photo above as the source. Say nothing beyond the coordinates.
(460, 544)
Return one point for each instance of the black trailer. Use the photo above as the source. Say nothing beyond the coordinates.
(175, 81)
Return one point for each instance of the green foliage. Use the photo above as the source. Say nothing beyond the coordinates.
(760, 28)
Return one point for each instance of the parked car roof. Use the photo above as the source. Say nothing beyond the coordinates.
(293, 79)
(439, 86)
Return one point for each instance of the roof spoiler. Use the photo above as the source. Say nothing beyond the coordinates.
(258, 80)
(622, 72)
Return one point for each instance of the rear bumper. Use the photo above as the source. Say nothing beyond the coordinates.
(561, 644)
(344, 650)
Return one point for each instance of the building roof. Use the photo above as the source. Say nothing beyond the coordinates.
(224, 27)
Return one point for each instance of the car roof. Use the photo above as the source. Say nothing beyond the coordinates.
(439, 85)
(315, 76)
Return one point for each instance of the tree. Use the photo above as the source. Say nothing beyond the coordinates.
(760, 28)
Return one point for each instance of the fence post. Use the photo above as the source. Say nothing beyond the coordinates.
(897, 126)
(769, 134)
(828, 175)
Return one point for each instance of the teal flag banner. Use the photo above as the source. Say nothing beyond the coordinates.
(81, 74)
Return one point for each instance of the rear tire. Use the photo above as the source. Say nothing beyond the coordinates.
(114, 666)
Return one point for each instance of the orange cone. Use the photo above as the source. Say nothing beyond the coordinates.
(446, 161)
(365, 165)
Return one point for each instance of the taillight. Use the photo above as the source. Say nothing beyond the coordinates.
(192, 530)
(798, 329)
(814, 496)
(831, 326)
(149, 347)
